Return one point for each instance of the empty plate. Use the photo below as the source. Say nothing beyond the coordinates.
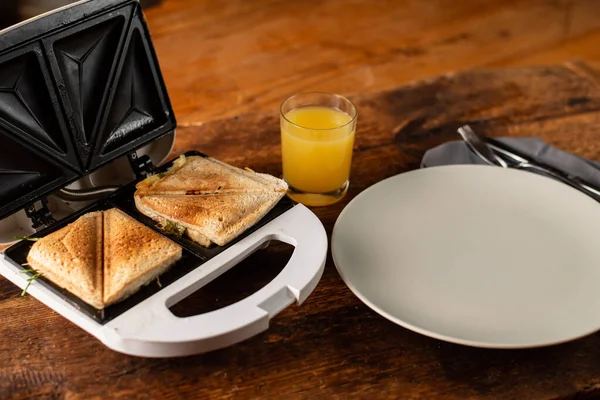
(476, 255)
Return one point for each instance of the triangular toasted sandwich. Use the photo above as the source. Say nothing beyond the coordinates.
(133, 255)
(72, 258)
(103, 257)
(196, 175)
(210, 201)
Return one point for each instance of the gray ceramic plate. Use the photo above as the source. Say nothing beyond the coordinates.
(476, 255)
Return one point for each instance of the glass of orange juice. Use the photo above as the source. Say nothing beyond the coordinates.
(317, 136)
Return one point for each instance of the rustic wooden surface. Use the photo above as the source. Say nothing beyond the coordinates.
(333, 346)
(225, 58)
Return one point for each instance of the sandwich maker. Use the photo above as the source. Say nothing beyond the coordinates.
(84, 116)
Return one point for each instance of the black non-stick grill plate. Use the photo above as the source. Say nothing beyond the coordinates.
(78, 88)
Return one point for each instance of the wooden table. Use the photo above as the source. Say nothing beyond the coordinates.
(222, 59)
(226, 58)
(333, 346)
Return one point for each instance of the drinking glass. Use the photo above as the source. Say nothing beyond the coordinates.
(317, 137)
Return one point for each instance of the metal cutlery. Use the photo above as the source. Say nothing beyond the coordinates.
(479, 146)
(495, 153)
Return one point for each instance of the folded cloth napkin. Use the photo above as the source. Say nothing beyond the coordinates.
(535, 149)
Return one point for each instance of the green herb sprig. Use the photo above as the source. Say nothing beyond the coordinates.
(32, 278)
(31, 239)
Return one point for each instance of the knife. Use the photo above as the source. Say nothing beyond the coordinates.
(512, 158)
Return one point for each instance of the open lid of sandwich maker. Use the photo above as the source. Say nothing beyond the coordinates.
(80, 91)
(79, 87)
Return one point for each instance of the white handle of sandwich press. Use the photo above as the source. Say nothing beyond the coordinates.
(156, 332)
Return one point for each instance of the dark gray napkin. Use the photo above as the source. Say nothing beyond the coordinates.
(536, 149)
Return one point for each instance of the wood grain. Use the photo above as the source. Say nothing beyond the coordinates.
(333, 346)
(235, 57)
(227, 66)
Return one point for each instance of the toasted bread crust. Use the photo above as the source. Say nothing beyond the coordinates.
(133, 255)
(205, 175)
(193, 234)
(220, 218)
(72, 258)
(103, 257)
(198, 237)
(214, 201)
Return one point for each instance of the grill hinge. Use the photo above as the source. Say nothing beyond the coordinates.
(40, 216)
(140, 165)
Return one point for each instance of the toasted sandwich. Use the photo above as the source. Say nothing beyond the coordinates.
(208, 200)
(72, 258)
(133, 255)
(103, 257)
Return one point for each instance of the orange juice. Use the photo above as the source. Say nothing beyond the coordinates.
(316, 145)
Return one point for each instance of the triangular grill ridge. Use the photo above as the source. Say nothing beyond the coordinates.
(25, 101)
